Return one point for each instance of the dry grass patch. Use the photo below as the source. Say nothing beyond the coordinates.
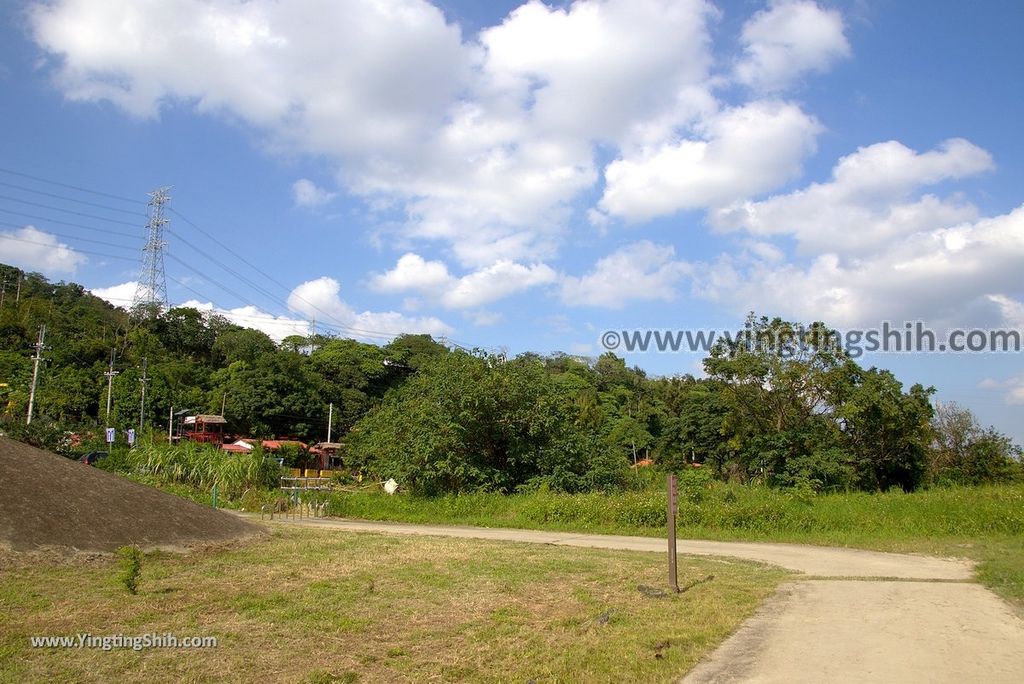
(319, 606)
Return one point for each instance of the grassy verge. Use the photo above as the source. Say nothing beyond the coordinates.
(322, 607)
(982, 523)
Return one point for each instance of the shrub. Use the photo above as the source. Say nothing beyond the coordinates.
(130, 565)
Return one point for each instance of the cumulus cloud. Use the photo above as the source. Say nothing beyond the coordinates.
(642, 271)
(36, 250)
(306, 193)
(316, 300)
(867, 203)
(485, 142)
(320, 299)
(118, 295)
(787, 40)
(276, 327)
(744, 151)
(932, 275)
(483, 286)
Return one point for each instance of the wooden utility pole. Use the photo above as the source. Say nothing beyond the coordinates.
(35, 372)
(673, 507)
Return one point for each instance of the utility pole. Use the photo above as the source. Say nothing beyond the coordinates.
(170, 426)
(330, 419)
(142, 406)
(17, 298)
(110, 384)
(35, 372)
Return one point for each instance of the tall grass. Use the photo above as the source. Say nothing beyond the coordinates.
(198, 465)
(708, 508)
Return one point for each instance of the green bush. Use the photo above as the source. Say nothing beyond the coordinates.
(130, 567)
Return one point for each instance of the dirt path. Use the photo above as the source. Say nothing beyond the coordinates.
(907, 619)
(819, 561)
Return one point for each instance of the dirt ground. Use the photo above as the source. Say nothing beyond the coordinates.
(52, 504)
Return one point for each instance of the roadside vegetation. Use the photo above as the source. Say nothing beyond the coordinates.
(787, 437)
(315, 606)
(984, 523)
(781, 404)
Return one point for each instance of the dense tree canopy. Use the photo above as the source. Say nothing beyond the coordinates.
(781, 406)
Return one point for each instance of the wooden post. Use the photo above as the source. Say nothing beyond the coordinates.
(673, 578)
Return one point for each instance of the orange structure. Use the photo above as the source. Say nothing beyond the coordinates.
(205, 428)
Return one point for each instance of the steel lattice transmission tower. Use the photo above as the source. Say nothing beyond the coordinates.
(151, 293)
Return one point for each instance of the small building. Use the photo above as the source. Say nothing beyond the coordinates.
(329, 454)
(205, 428)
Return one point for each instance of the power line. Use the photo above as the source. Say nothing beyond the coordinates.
(250, 283)
(67, 211)
(66, 223)
(133, 212)
(51, 245)
(70, 237)
(338, 324)
(71, 187)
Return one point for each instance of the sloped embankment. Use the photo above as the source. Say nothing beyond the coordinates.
(48, 502)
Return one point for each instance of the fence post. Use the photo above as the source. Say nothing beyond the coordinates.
(673, 507)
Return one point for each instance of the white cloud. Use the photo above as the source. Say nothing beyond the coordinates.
(277, 327)
(317, 300)
(1012, 310)
(483, 286)
(932, 275)
(485, 143)
(594, 69)
(485, 318)
(787, 40)
(413, 272)
(35, 250)
(1013, 388)
(642, 271)
(306, 193)
(867, 202)
(320, 299)
(498, 280)
(326, 76)
(743, 151)
(118, 295)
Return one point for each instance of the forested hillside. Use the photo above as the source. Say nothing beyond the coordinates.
(445, 420)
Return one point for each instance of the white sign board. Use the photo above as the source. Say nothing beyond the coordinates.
(110, 435)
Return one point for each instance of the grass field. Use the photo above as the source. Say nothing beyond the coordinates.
(982, 523)
(312, 606)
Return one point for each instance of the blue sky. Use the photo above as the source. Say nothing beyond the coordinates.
(526, 176)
